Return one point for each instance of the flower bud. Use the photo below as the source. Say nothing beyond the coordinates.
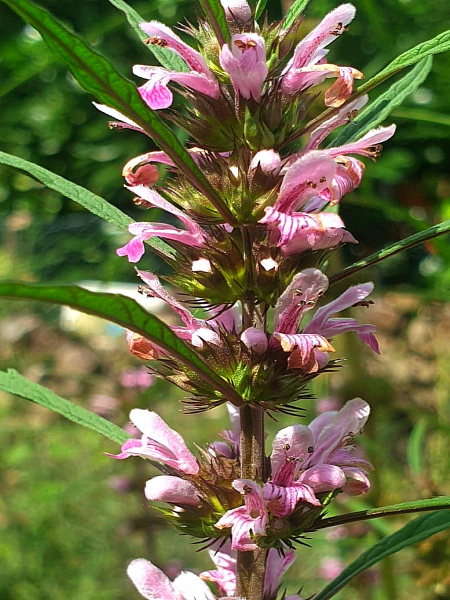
(141, 347)
(255, 339)
(175, 490)
(269, 162)
(145, 175)
(237, 10)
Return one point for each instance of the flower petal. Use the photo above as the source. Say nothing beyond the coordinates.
(150, 582)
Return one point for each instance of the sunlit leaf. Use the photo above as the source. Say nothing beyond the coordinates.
(95, 204)
(125, 312)
(406, 244)
(97, 76)
(378, 110)
(12, 382)
(417, 530)
(260, 8)
(166, 57)
(440, 43)
(216, 16)
(441, 502)
(294, 12)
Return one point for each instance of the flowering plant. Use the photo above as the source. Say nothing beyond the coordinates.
(256, 201)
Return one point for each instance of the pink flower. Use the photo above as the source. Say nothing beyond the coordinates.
(255, 340)
(156, 92)
(174, 490)
(159, 442)
(153, 584)
(245, 63)
(136, 378)
(307, 67)
(193, 235)
(246, 521)
(309, 349)
(268, 161)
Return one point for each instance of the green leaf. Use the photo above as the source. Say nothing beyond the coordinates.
(127, 313)
(415, 531)
(440, 43)
(294, 12)
(216, 16)
(260, 8)
(441, 502)
(166, 57)
(95, 204)
(378, 110)
(97, 76)
(406, 244)
(415, 449)
(13, 383)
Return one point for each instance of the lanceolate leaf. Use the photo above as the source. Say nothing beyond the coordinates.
(127, 313)
(294, 12)
(166, 57)
(216, 16)
(442, 502)
(417, 530)
(96, 75)
(440, 43)
(97, 205)
(260, 8)
(375, 114)
(409, 242)
(13, 383)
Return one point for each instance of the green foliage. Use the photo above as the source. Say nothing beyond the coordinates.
(97, 76)
(13, 383)
(442, 502)
(95, 204)
(216, 16)
(124, 312)
(294, 12)
(406, 244)
(381, 108)
(440, 43)
(417, 530)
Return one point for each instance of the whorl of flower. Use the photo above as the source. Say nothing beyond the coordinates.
(159, 442)
(245, 62)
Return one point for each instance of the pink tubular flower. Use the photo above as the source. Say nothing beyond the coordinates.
(245, 63)
(174, 490)
(307, 67)
(268, 161)
(246, 521)
(238, 11)
(159, 442)
(193, 235)
(309, 349)
(155, 92)
(153, 584)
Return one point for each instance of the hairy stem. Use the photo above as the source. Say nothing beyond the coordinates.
(251, 565)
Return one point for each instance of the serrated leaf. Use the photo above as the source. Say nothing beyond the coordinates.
(12, 382)
(166, 57)
(217, 19)
(127, 313)
(95, 204)
(441, 502)
(97, 76)
(378, 110)
(440, 43)
(294, 12)
(406, 244)
(415, 531)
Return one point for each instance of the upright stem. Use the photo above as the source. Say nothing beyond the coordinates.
(251, 565)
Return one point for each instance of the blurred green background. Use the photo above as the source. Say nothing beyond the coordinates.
(70, 517)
